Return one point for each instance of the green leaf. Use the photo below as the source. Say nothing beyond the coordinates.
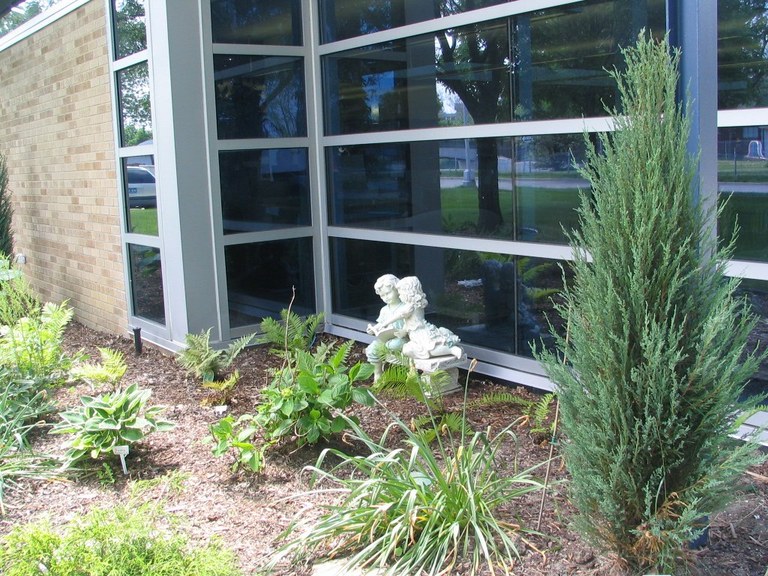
(363, 396)
(131, 434)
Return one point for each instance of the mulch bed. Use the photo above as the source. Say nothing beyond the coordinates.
(248, 512)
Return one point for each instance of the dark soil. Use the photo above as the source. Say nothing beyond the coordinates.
(248, 512)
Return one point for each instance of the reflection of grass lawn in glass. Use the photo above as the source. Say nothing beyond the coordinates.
(742, 171)
(750, 211)
(544, 210)
(144, 221)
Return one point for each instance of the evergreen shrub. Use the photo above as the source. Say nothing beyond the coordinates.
(651, 370)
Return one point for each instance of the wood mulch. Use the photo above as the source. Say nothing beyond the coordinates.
(248, 512)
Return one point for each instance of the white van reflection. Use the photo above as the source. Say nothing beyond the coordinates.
(141, 187)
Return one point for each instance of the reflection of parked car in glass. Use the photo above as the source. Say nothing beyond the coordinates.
(141, 187)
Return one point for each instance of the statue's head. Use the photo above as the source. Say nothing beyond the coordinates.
(410, 291)
(387, 281)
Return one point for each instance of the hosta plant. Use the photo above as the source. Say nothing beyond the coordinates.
(109, 420)
(306, 398)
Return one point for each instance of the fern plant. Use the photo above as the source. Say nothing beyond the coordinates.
(291, 333)
(110, 371)
(401, 379)
(32, 346)
(205, 362)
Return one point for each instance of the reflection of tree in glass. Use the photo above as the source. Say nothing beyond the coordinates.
(473, 62)
(130, 27)
(25, 12)
(262, 22)
(259, 97)
(135, 108)
(742, 48)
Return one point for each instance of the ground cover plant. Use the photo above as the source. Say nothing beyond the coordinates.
(654, 361)
(134, 538)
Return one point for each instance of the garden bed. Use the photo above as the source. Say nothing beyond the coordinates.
(248, 512)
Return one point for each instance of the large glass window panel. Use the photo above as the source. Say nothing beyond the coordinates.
(276, 22)
(742, 61)
(259, 96)
(263, 189)
(342, 19)
(135, 108)
(523, 188)
(756, 292)
(561, 55)
(263, 277)
(130, 27)
(140, 194)
(494, 301)
(409, 83)
(541, 65)
(743, 184)
(147, 283)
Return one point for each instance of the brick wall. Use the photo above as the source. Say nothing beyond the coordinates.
(56, 132)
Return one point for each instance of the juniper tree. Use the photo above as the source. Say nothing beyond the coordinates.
(6, 211)
(655, 358)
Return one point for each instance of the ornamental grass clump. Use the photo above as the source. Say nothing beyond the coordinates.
(651, 373)
(418, 508)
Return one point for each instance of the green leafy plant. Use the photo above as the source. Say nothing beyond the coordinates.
(32, 346)
(650, 377)
(307, 396)
(205, 362)
(17, 299)
(22, 404)
(291, 333)
(109, 420)
(126, 539)
(237, 437)
(110, 371)
(416, 510)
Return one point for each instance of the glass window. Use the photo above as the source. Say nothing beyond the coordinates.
(742, 66)
(140, 195)
(756, 292)
(263, 189)
(342, 19)
(276, 22)
(135, 109)
(130, 27)
(743, 182)
(515, 188)
(407, 83)
(491, 300)
(147, 283)
(259, 96)
(542, 65)
(263, 277)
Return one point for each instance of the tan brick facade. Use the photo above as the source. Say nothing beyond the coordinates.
(57, 134)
